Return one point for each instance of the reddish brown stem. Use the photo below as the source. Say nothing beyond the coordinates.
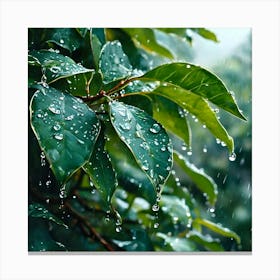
(89, 226)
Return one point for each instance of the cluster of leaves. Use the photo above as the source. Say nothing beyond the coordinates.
(102, 163)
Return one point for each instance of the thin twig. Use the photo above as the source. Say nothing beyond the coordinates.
(89, 226)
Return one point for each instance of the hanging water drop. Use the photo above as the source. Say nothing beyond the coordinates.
(155, 207)
(232, 156)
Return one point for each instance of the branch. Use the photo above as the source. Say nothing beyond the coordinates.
(89, 226)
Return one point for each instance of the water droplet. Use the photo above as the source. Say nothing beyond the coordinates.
(204, 149)
(145, 167)
(81, 141)
(43, 159)
(56, 127)
(39, 116)
(155, 128)
(118, 229)
(163, 148)
(125, 126)
(69, 118)
(61, 41)
(156, 225)
(55, 69)
(58, 136)
(155, 207)
(188, 66)
(54, 110)
(232, 157)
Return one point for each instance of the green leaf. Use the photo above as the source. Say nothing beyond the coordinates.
(81, 84)
(218, 229)
(205, 240)
(100, 170)
(146, 139)
(204, 182)
(37, 210)
(66, 129)
(67, 38)
(205, 33)
(82, 31)
(130, 176)
(196, 80)
(199, 108)
(57, 66)
(177, 244)
(145, 39)
(39, 237)
(95, 46)
(176, 208)
(170, 115)
(114, 63)
(177, 31)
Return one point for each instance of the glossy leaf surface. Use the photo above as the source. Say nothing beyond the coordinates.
(145, 38)
(172, 116)
(130, 176)
(206, 241)
(177, 244)
(67, 38)
(203, 182)
(197, 80)
(205, 33)
(37, 210)
(146, 139)
(100, 170)
(56, 66)
(199, 108)
(66, 129)
(114, 63)
(218, 229)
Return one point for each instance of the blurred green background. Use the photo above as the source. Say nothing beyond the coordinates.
(231, 60)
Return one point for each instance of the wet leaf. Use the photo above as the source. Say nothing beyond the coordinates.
(176, 208)
(81, 84)
(206, 241)
(67, 38)
(146, 139)
(203, 182)
(37, 210)
(206, 34)
(100, 170)
(197, 106)
(39, 237)
(196, 80)
(177, 244)
(178, 31)
(57, 66)
(82, 31)
(114, 63)
(145, 38)
(66, 129)
(218, 229)
(172, 117)
(130, 176)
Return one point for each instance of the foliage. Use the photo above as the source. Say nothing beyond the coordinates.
(104, 121)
